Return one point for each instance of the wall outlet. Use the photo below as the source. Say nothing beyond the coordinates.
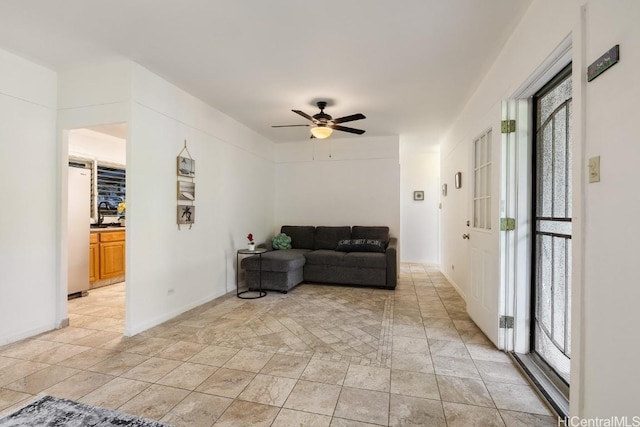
(594, 169)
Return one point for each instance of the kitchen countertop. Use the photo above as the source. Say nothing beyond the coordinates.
(96, 229)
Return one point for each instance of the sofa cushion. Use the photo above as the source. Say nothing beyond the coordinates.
(325, 257)
(281, 241)
(362, 232)
(328, 237)
(365, 260)
(282, 261)
(360, 245)
(301, 235)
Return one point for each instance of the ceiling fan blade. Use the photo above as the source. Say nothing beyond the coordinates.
(346, 129)
(305, 115)
(288, 126)
(350, 118)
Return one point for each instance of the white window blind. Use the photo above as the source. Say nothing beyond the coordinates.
(111, 187)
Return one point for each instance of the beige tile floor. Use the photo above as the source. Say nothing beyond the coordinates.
(317, 356)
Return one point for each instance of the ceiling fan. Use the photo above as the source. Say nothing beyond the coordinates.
(323, 124)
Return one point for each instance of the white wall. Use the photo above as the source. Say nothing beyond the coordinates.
(605, 290)
(420, 234)
(519, 58)
(338, 182)
(170, 270)
(95, 84)
(92, 94)
(454, 252)
(28, 186)
(86, 143)
(612, 208)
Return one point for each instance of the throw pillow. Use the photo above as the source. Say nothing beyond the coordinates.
(281, 241)
(360, 245)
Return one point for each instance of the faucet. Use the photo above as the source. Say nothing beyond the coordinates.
(100, 213)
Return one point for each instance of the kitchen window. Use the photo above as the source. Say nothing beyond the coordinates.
(111, 188)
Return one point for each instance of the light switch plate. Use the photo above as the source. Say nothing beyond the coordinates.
(594, 169)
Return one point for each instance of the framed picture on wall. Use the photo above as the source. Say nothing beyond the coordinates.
(186, 167)
(186, 214)
(418, 195)
(186, 190)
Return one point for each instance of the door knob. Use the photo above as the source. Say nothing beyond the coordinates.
(465, 236)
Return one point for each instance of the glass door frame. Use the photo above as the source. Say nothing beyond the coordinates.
(557, 378)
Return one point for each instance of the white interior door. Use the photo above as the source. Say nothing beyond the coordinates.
(484, 296)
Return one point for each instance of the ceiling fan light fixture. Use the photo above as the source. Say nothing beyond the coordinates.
(321, 132)
(322, 124)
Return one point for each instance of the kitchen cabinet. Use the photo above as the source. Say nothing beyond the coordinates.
(94, 258)
(107, 255)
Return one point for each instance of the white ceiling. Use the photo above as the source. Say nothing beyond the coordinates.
(408, 65)
(118, 130)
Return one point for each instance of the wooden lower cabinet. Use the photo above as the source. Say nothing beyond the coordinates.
(107, 257)
(94, 262)
(94, 258)
(111, 259)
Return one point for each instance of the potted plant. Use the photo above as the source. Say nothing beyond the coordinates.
(252, 244)
(122, 210)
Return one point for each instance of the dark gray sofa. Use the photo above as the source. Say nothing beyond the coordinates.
(314, 258)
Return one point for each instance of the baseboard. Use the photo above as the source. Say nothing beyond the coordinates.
(454, 284)
(422, 261)
(26, 334)
(136, 329)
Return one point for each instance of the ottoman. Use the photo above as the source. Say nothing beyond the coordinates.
(281, 270)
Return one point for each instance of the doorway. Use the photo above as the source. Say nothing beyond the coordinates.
(542, 293)
(100, 301)
(551, 228)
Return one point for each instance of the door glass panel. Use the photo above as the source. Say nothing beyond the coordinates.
(482, 181)
(552, 243)
(476, 209)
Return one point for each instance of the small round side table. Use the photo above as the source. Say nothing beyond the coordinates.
(260, 291)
